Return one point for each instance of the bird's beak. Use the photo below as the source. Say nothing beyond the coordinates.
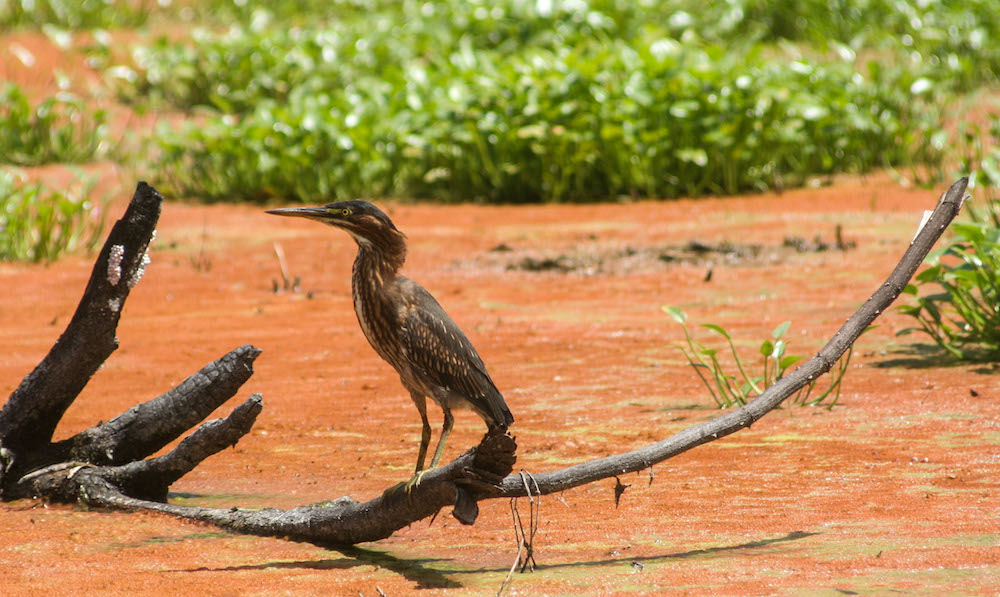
(319, 214)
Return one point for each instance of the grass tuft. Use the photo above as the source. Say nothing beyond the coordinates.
(40, 224)
(61, 128)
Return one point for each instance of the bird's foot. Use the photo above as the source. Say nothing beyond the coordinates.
(414, 481)
(407, 486)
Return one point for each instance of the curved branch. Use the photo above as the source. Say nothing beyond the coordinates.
(475, 474)
(947, 208)
(342, 521)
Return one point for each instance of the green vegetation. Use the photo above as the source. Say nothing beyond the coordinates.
(514, 100)
(38, 224)
(956, 300)
(74, 14)
(114, 14)
(58, 129)
(455, 101)
(518, 129)
(951, 40)
(964, 317)
(528, 100)
(731, 390)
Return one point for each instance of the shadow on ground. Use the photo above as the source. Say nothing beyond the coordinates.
(929, 356)
(422, 572)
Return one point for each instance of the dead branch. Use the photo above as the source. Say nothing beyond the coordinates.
(32, 412)
(32, 465)
(484, 472)
(947, 208)
(144, 429)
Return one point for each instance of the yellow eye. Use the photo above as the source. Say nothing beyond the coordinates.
(345, 212)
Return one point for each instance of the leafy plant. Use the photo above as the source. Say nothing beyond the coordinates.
(957, 298)
(40, 224)
(978, 152)
(728, 389)
(963, 318)
(646, 117)
(61, 128)
(75, 14)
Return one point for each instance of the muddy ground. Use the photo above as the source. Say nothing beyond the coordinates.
(896, 489)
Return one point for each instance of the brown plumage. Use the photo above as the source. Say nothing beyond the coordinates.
(407, 327)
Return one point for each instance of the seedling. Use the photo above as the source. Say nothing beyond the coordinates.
(729, 390)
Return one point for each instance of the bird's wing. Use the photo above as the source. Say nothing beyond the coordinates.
(435, 343)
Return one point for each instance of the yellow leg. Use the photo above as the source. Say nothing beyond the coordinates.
(425, 439)
(425, 433)
(449, 422)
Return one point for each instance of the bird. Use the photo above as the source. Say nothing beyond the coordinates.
(407, 326)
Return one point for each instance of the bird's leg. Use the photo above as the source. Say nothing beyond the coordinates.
(425, 433)
(425, 439)
(449, 422)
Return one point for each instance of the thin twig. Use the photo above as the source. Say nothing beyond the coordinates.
(282, 264)
(534, 505)
(516, 519)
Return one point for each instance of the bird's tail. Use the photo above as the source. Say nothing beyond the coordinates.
(501, 414)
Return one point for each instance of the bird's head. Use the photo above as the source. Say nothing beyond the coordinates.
(367, 224)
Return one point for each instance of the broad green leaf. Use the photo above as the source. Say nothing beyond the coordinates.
(717, 329)
(676, 313)
(788, 361)
(780, 330)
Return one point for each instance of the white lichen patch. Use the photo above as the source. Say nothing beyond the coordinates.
(115, 264)
(114, 304)
(139, 271)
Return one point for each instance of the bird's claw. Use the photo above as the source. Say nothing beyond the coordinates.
(406, 487)
(414, 481)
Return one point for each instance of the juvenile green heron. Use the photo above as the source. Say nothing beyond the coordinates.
(407, 327)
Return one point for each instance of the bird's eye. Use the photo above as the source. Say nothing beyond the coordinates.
(345, 212)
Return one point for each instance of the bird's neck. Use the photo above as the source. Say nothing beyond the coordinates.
(376, 266)
(371, 284)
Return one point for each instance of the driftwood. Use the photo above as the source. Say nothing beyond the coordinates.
(108, 465)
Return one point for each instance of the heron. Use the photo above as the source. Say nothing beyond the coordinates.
(408, 328)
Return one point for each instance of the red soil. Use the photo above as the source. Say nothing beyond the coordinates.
(897, 488)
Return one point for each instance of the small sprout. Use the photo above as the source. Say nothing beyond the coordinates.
(728, 389)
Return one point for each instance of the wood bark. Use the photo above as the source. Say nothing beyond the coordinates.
(104, 466)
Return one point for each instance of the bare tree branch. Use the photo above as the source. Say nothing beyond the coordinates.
(947, 208)
(342, 521)
(151, 478)
(146, 479)
(483, 472)
(30, 416)
(31, 465)
(144, 429)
